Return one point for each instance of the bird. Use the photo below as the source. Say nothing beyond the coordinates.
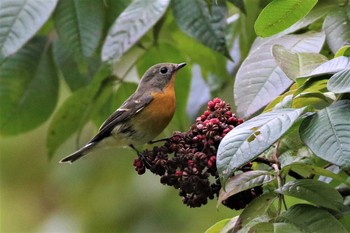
(142, 117)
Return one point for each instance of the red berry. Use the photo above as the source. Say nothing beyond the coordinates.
(211, 105)
(215, 121)
(217, 100)
(178, 173)
(190, 163)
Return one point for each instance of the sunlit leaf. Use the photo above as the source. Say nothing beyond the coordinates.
(20, 20)
(309, 190)
(343, 51)
(337, 28)
(248, 140)
(29, 88)
(326, 133)
(309, 218)
(281, 14)
(131, 25)
(340, 82)
(320, 10)
(193, 17)
(331, 67)
(259, 80)
(217, 227)
(296, 64)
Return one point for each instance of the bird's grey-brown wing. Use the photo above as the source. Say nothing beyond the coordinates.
(129, 108)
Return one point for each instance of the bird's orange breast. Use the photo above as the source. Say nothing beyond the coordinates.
(156, 115)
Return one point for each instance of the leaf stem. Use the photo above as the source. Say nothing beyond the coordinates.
(279, 183)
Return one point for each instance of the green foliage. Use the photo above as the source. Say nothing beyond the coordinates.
(281, 14)
(292, 87)
(29, 88)
(20, 20)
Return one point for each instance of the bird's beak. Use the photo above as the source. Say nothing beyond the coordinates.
(179, 66)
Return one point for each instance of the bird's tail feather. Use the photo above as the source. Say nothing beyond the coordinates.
(78, 154)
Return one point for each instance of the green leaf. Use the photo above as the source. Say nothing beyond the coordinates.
(221, 225)
(259, 80)
(131, 25)
(313, 85)
(29, 88)
(74, 113)
(79, 25)
(343, 51)
(313, 191)
(281, 14)
(317, 100)
(244, 181)
(326, 133)
(245, 142)
(296, 64)
(256, 210)
(268, 227)
(239, 4)
(331, 67)
(340, 82)
(20, 20)
(193, 17)
(309, 219)
(76, 73)
(312, 169)
(337, 28)
(320, 10)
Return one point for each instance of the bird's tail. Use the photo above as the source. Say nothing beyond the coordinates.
(79, 153)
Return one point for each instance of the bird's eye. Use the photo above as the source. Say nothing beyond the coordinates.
(163, 70)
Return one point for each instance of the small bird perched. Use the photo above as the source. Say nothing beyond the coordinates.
(142, 117)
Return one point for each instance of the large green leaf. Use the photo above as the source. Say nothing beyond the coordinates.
(248, 140)
(331, 67)
(244, 181)
(20, 20)
(296, 64)
(327, 133)
(320, 10)
(74, 113)
(131, 25)
(337, 28)
(29, 88)
(259, 80)
(310, 219)
(79, 25)
(76, 74)
(310, 190)
(340, 82)
(281, 14)
(194, 18)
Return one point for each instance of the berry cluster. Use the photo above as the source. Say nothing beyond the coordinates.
(188, 160)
